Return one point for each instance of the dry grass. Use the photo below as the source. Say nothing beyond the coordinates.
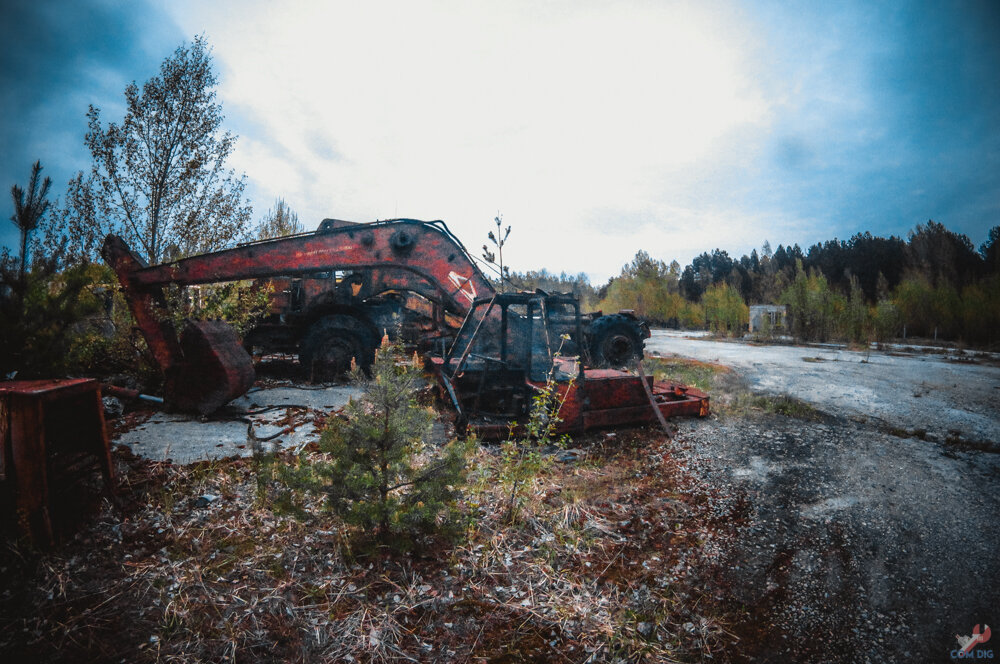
(705, 376)
(607, 562)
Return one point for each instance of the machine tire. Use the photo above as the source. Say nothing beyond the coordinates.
(327, 348)
(615, 341)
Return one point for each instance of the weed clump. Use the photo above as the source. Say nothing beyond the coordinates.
(521, 456)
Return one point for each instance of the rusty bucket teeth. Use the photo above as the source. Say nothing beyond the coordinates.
(215, 370)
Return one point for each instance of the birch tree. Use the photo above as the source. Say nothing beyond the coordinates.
(158, 177)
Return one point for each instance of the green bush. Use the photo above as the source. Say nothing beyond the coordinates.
(240, 303)
(725, 311)
(43, 317)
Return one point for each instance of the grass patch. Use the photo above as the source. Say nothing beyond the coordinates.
(729, 392)
(703, 375)
(775, 405)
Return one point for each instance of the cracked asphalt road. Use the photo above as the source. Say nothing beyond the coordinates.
(856, 545)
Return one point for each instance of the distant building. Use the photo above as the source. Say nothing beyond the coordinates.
(768, 318)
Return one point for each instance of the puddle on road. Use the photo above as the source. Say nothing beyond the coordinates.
(825, 507)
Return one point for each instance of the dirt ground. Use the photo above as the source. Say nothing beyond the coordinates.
(860, 542)
(855, 525)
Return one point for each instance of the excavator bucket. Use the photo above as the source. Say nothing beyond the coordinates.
(215, 369)
(203, 370)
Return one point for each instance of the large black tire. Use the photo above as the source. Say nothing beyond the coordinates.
(614, 340)
(332, 342)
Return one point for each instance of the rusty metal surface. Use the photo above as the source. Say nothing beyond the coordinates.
(413, 255)
(44, 425)
(142, 301)
(607, 398)
(215, 370)
(206, 367)
(54, 388)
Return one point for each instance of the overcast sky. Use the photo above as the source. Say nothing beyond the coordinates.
(595, 128)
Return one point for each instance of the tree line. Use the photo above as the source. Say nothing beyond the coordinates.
(869, 288)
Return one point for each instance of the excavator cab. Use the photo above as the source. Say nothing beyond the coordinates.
(509, 346)
(512, 344)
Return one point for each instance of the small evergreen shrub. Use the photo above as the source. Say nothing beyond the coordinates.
(376, 472)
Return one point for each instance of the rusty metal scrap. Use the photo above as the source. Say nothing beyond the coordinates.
(340, 288)
(48, 428)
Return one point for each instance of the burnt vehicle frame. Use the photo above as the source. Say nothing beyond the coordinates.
(512, 345)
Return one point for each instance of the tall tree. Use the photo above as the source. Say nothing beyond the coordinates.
(279, 222)
(159, 177)
(705, 270)
(28, 210)
(990, 251)
(944, 257)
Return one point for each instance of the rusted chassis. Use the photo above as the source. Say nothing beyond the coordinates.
(599, 399)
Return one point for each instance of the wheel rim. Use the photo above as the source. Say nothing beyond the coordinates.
(333, 357)
(617, 349)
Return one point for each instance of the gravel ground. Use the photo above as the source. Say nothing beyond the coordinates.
(856, 545)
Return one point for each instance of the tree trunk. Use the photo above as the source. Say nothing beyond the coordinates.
(24, 256)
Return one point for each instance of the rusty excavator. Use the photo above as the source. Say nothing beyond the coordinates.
(338, 289)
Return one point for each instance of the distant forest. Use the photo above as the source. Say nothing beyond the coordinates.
(933, 284)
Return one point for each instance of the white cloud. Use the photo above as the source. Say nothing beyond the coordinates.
(548, 113)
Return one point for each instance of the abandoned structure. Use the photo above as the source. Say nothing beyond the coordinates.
(768, 318)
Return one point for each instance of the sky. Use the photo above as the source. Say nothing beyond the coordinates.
(595, 129)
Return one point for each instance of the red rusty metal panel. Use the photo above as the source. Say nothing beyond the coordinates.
(27, 448)
(29, 409)
(608, 388)
(47, 389)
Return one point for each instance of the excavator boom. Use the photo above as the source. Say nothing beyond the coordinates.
(420, 256)
(205, 365)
